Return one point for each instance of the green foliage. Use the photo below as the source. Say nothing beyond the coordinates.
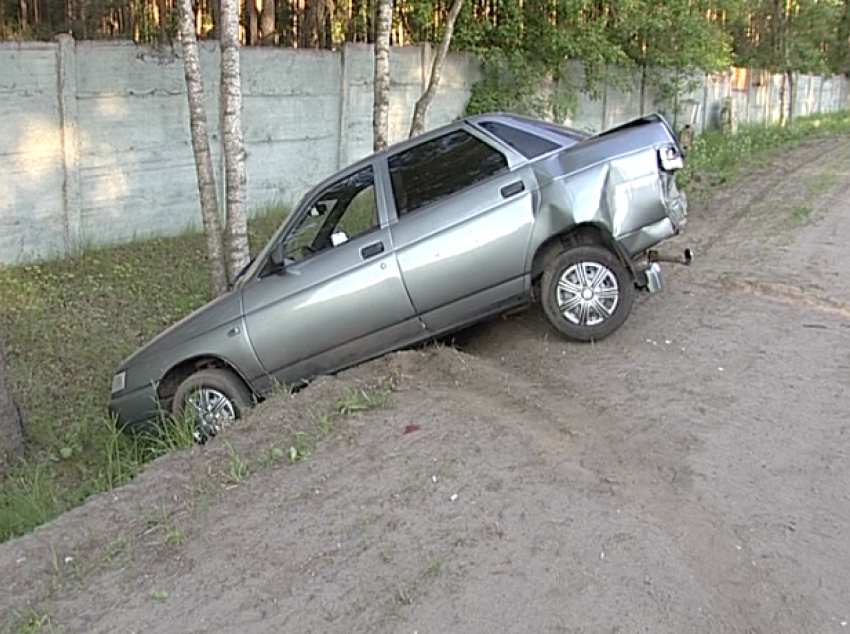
(516, 83)
(675, 34)
(804, 36)
(526, 46)
(777, 35)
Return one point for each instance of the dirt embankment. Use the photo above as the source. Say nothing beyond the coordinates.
(689, 474)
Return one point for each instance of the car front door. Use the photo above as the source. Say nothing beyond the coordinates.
(464, 225)
(335, 295)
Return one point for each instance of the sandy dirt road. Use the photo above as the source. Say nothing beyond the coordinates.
(688, 474)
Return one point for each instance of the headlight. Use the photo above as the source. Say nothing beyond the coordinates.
(118, 382)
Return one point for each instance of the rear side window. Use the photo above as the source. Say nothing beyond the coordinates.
(527, 144)
(441, 167)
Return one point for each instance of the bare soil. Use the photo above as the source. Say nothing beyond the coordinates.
(688, 474)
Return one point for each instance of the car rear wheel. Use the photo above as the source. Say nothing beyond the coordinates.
(211, 399)
(587, 293)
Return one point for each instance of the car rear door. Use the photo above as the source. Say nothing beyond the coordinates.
(465, 220)
(340, 298)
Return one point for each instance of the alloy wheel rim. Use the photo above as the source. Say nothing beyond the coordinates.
(587, 293)
(211, 409)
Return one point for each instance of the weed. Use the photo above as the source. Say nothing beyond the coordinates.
(36, 623)
(432, 569)
(171, 535)
(54, 560)
(405, 596)
(364, 400)
(175, 537)
(173, 434)
(121, 456)
(160, 595)
(324, 425)
(303, 447)
(28, 498)
(120, 546)
(823, 183)
(448, 468)
(274, 455)
(801, 213)
(239, 467)
(282, 389)
(202, 492)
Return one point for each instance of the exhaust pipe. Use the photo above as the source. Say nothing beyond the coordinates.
(686, 258)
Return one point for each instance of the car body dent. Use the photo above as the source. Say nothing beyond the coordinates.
(614, 184)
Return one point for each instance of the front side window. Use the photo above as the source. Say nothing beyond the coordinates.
(438, 168)
(343, 211)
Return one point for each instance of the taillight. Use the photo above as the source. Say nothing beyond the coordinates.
(671, 158)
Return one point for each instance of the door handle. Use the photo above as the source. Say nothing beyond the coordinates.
(513, 189)
(372, 250)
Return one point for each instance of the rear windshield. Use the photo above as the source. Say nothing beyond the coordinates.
(570, 137)
(529, 145)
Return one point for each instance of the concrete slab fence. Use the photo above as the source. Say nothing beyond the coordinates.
(95, 147)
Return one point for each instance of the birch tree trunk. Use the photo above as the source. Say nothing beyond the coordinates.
(201, 147)
(417, 126)
(381, 107)
(11, 427)
(267, 23)
(236, 178)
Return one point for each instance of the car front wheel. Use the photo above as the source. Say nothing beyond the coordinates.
(211, 399)
(587, 293)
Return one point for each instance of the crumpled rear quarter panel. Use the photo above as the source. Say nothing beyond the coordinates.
(611, 181)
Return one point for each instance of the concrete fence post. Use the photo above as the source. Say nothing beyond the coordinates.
(768, 115)
(604, 113)
(66, 73)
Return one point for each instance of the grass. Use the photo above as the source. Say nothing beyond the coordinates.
(36, 623)
(718, 160)
(240, 468)
(823, 183)
(66, 325)
(801, 213)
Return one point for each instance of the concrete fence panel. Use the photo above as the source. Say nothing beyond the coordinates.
(95, 135)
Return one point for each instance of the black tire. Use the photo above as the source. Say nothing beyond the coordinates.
(587, 317)
(216, 384)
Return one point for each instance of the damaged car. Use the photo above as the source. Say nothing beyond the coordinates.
(430, 236)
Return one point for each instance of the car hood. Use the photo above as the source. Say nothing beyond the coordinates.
(212, 315)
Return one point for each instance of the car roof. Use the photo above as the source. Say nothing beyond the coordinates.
(537, 127)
